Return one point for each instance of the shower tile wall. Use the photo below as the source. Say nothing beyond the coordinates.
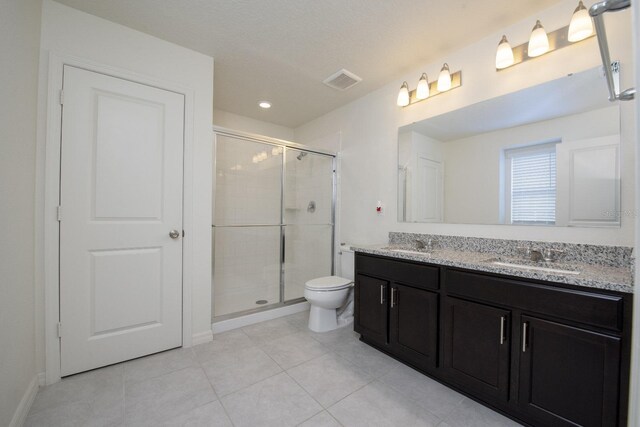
(249, 207)
(309, 179)
(247, 268)
(248, 192)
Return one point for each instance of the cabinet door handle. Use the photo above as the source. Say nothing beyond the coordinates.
(503, 320)
(381, 294)
(524, 336)
(393, 297)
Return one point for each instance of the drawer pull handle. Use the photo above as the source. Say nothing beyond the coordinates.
(381, 294)
(503, 320)
(393, 297)
(524, 336)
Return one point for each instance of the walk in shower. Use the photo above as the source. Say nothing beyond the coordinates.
(273, 221)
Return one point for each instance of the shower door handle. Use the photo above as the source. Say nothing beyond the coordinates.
(283, 247)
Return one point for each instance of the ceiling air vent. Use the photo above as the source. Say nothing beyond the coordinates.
(342, 80)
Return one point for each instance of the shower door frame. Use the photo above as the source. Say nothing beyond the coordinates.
(250, 137)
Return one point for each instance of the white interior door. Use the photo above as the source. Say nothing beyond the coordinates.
(428, 191)
(120, 195)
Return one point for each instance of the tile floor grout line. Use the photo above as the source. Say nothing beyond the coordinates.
(309, 394)
(250, 385)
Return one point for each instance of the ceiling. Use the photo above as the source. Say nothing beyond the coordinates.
(572, 94)
(282, 50)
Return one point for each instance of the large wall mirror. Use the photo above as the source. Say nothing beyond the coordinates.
(547, 155)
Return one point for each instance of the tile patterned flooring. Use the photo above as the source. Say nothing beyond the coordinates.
(274, 373)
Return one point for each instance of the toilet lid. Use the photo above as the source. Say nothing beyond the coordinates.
(328, 283)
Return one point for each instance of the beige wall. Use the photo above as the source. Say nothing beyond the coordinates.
(20, 23)
(369, 129)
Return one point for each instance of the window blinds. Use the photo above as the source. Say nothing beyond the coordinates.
(533, 184)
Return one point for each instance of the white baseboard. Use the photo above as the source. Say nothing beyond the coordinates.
(201, 337)
(250, 319)
(20, 415)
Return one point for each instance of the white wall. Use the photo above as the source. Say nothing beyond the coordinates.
(66, 31)
(370, 124)
(20, 23)
(246, 124)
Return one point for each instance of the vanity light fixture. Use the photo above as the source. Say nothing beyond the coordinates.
(540, 42)
(581, 25)
(425, 89)
(504, 55)
(403, 95)
(444, 79)
(422, 91)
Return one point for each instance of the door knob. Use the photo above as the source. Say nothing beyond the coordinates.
(174, 234)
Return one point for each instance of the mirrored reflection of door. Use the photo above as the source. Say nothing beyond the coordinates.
(308, 218)
(247, 225)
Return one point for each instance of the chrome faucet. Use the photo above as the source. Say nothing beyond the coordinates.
(535, 255)
(420, 245)
(538, 255)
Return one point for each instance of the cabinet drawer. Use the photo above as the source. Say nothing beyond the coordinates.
(406, 272)
(585, 307)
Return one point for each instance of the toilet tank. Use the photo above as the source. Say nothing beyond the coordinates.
(346, 262)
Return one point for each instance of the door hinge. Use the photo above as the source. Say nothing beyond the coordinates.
(61, 97)
(59, 213)
(59, 330)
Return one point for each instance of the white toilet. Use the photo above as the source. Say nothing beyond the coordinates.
(331, 297)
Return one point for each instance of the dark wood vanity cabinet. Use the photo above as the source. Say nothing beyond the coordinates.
(371, 308)
(476, 352)
(568, 376)
(399, 317)
(413, 325)
(544, 354)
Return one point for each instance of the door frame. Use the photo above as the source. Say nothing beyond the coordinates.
(48, 247)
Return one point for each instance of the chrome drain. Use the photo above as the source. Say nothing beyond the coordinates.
(261, 301)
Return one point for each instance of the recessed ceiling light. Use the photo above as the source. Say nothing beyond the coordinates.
(265, 104)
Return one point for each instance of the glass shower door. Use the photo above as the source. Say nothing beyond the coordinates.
(307, 219)
(247, 225)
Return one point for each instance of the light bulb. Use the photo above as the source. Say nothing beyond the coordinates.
(504, 54)
(444, 79)
(403, 95)
(264, 104)
(422, 91)
(538, 42)
(581, 26)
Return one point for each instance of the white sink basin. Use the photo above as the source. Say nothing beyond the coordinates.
(547, 269)
(407, 251)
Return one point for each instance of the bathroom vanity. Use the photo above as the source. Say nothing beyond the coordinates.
(545, 348)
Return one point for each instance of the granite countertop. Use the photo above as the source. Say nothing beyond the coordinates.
(590, 275)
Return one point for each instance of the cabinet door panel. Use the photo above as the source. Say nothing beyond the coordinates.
(371, 308)
(569, 376)
(413, 325)
(476, 348)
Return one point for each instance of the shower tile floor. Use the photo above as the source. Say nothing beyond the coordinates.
(274, 373)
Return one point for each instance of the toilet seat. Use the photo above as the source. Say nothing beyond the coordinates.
(328, 283)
